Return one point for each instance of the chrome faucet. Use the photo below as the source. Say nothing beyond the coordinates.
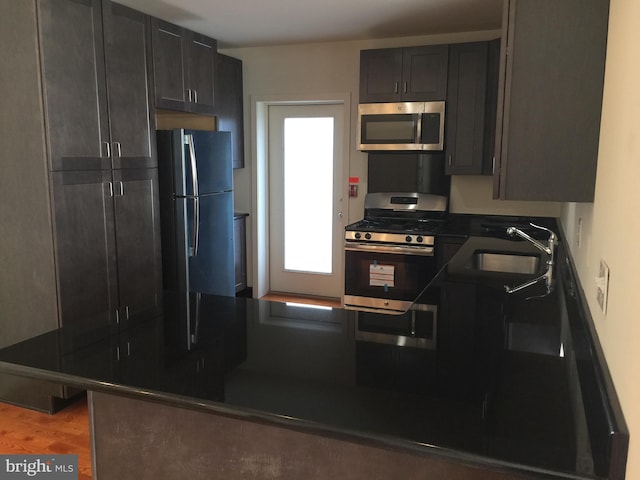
(549, 249)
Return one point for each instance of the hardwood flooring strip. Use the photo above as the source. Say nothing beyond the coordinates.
(24, 431)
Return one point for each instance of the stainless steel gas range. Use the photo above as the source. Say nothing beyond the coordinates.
(389, 262)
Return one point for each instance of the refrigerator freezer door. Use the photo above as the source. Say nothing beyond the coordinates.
(212, 269)
(207, 159)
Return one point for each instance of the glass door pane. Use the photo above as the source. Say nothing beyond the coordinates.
(308, 194)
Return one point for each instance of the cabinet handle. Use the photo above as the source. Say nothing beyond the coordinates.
(195, 96)
(188, 91)
(404, 87)
(108, 147)
(118, 148)
(120, 189)
(110, 187)
(126, 312)
(117, 317)
(118, 353)
(395, 87)
(493, 165)
(128, 349)
(450, 160)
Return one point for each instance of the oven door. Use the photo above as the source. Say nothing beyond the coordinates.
(383, 278)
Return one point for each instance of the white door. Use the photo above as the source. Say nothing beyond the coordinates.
(306, 231)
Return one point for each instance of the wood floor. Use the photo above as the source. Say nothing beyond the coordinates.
(24, 431)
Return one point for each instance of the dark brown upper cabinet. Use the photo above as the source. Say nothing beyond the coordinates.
(125, 39)
(229, 105)
(550, 99)
(74, 84)
(412, 74)
(184, 65)
(97, 113)
(471, 108)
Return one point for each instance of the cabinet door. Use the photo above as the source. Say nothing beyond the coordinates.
(550, 99)
(229, 104)
(139, 352)
(74, 83)
(466, 100)
(138, 242)
(424, 73)
(125, 34)
(85, 247)
(380, 75)
(457, 337)
(446, 247)
(169, 65)
(202, 65)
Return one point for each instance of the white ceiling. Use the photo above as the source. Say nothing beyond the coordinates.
(240, 23)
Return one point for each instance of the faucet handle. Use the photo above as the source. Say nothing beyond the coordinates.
(552, 235)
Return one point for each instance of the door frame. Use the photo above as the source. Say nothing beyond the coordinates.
(260, 173)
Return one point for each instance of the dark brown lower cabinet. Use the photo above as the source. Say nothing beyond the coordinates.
(457, 332)
(85, 247)
(107, 245)
(137, 222)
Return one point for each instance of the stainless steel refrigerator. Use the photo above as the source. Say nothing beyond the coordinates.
(196, 214)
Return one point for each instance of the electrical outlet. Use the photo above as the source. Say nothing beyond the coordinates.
(602, 286)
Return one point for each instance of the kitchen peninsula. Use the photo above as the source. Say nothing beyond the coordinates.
(274, 390)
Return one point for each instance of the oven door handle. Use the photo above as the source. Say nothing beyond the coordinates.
(396, 249)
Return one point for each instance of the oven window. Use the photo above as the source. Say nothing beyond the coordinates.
(381, 129)
(407, 275)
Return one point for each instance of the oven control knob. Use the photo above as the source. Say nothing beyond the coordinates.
(408, 238)
(419, 239)
(357, 235)
(367, 236)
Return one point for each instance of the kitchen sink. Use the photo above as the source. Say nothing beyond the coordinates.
(505, 262)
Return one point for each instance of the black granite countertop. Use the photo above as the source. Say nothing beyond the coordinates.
(302, 368)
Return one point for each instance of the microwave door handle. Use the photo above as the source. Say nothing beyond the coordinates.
(419, 129)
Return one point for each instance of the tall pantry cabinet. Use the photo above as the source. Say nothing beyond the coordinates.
(79, 186)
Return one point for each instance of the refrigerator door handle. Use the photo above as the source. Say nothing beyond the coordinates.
(196, 192)
(194, 167)
(196, 225)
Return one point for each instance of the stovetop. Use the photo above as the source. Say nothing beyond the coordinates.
(399, 218)
(400, 225)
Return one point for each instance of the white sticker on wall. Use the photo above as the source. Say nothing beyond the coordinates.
(381, 275)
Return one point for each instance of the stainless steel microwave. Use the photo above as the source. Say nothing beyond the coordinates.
(412, 126)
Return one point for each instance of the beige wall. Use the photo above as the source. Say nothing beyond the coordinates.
(611, 225)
